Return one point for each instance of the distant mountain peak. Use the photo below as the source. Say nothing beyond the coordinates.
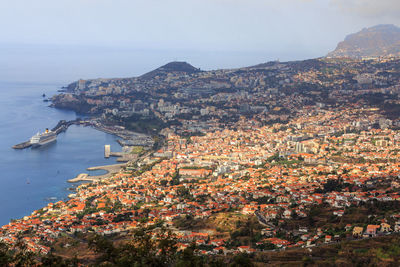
(174, 66)
(376, 41)
(179, 66)
(383, 27)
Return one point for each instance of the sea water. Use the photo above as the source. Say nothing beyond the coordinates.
(32, 177)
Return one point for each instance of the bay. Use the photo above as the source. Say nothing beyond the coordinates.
(31, 178)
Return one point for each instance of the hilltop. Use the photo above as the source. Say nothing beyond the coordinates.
(172, 67)
(377, 41)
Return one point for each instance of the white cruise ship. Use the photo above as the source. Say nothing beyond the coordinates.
(41, 139)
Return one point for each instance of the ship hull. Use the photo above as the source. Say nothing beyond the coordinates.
(43, 139)
(34, 145)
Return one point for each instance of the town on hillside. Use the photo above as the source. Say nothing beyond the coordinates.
(279, 157)
(327, 175)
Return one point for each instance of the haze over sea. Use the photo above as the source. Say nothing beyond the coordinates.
(67, 63)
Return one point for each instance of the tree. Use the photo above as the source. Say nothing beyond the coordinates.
(142, 250)
(333, 185)
(52, 260)
(188, 258)
(102, 246)
(23, 256)
(242, 260)
(5, 256)
(183, 192)
(175, 178)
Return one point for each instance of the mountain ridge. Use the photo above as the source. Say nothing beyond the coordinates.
(377, 41)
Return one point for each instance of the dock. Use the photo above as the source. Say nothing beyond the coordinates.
(81, 177)
(84, 177)
(108, 168)
(123, 157)
(61, 126)
(22, 145)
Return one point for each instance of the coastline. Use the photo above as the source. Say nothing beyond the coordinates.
(54, 164)
(29, 191)
(127, 140)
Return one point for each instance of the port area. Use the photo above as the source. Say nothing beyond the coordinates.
(129, 138)
(61, 126)
(84, 177)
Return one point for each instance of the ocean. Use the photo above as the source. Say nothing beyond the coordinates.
(31, 178)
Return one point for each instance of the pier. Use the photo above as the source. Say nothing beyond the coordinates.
(123, 157)
(23, 145)
(61, 126)
(80, 178)
(84, 177)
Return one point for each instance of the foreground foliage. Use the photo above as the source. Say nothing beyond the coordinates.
(143, 249)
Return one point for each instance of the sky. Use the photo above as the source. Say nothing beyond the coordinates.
(88, 34)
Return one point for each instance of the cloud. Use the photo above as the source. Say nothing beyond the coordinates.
(374, 9)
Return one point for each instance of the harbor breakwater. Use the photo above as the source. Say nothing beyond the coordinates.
(61, 126)
(110, 169)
